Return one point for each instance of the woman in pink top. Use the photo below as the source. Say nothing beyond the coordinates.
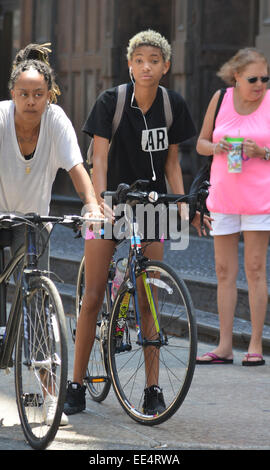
(240, 201)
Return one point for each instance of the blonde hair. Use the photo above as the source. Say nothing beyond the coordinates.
(149, 38)
(238, 63)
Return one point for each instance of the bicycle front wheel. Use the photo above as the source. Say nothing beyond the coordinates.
(156, 359)
(41, 363)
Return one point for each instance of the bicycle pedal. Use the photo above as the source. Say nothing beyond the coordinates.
(97, 379)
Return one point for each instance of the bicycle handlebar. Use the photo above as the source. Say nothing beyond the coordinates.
(74, 220)
(137, 192)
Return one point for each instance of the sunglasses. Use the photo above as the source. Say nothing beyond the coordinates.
(255, 79)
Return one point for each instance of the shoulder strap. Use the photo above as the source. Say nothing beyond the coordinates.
(220, 98)
(121, 98)
(167, 107)
(120, 103)
(222, 93)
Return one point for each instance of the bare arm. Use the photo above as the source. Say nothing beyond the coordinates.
(173, 173)
(100, 165)
(205, 145)
(173, 170)
(82, 184)
(99, 177)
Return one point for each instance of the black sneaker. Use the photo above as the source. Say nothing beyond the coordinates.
(154, 403)
(75, 398)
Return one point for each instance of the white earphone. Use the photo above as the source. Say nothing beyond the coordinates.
(145, 123)
(130, 74)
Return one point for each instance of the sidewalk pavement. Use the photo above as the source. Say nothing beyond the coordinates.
(226, 408)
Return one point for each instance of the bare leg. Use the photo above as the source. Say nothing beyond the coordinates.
(98, 254)
(256, 244)
(226, 260)
(151, 354)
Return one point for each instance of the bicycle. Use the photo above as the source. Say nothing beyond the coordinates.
(123, 344)
(35, 324)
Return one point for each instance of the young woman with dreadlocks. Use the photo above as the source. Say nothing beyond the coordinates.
(36, 139)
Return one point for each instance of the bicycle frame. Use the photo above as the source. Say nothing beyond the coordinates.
(29, 268)
(136, 262)
(131, 195)
(12, 323)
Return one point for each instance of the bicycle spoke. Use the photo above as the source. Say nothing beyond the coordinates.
(41, 363)
(165, 357)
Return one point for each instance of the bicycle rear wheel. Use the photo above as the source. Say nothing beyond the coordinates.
(78, 299)
(96, 380)
(154, 353)
(41, 363)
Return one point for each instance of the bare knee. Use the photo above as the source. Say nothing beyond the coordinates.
(225, 273)
(92, 300)
(255, 271)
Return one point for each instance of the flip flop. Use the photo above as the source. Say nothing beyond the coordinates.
(248, 363)
(214, 359)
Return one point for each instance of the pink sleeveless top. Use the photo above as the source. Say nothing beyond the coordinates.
(247, 192)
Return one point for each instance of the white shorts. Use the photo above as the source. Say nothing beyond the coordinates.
(226, 224)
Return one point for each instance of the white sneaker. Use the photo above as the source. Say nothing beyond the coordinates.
(49, 410)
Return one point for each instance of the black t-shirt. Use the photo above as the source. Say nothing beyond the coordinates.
(129, 158)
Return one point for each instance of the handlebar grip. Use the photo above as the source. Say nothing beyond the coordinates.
(111, 194)
(108, 194)
(175, 198)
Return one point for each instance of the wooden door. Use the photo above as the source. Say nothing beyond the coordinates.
(83, 36)
(83, 47)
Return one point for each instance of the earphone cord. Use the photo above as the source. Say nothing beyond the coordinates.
(146, 127)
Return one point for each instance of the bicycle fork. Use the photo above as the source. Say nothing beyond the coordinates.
(161, 340)
(136, 247)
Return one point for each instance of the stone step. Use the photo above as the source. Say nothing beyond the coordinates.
(204, 296)
(195, 265)
(207, 322)
(203, 290)
(64, 268)
(208, 331)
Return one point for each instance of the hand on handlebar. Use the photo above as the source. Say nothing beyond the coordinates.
(90, 211)
(107, 212)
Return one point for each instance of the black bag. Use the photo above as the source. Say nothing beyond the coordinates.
(204, 172)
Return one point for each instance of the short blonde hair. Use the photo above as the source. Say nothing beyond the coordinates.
(238, 63)
(149, 38)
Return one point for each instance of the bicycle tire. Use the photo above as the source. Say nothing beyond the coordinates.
(96, 380)
(78, 299)
(178, 326)
(42, 373)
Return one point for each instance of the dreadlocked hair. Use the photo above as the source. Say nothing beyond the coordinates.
(35, 56)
